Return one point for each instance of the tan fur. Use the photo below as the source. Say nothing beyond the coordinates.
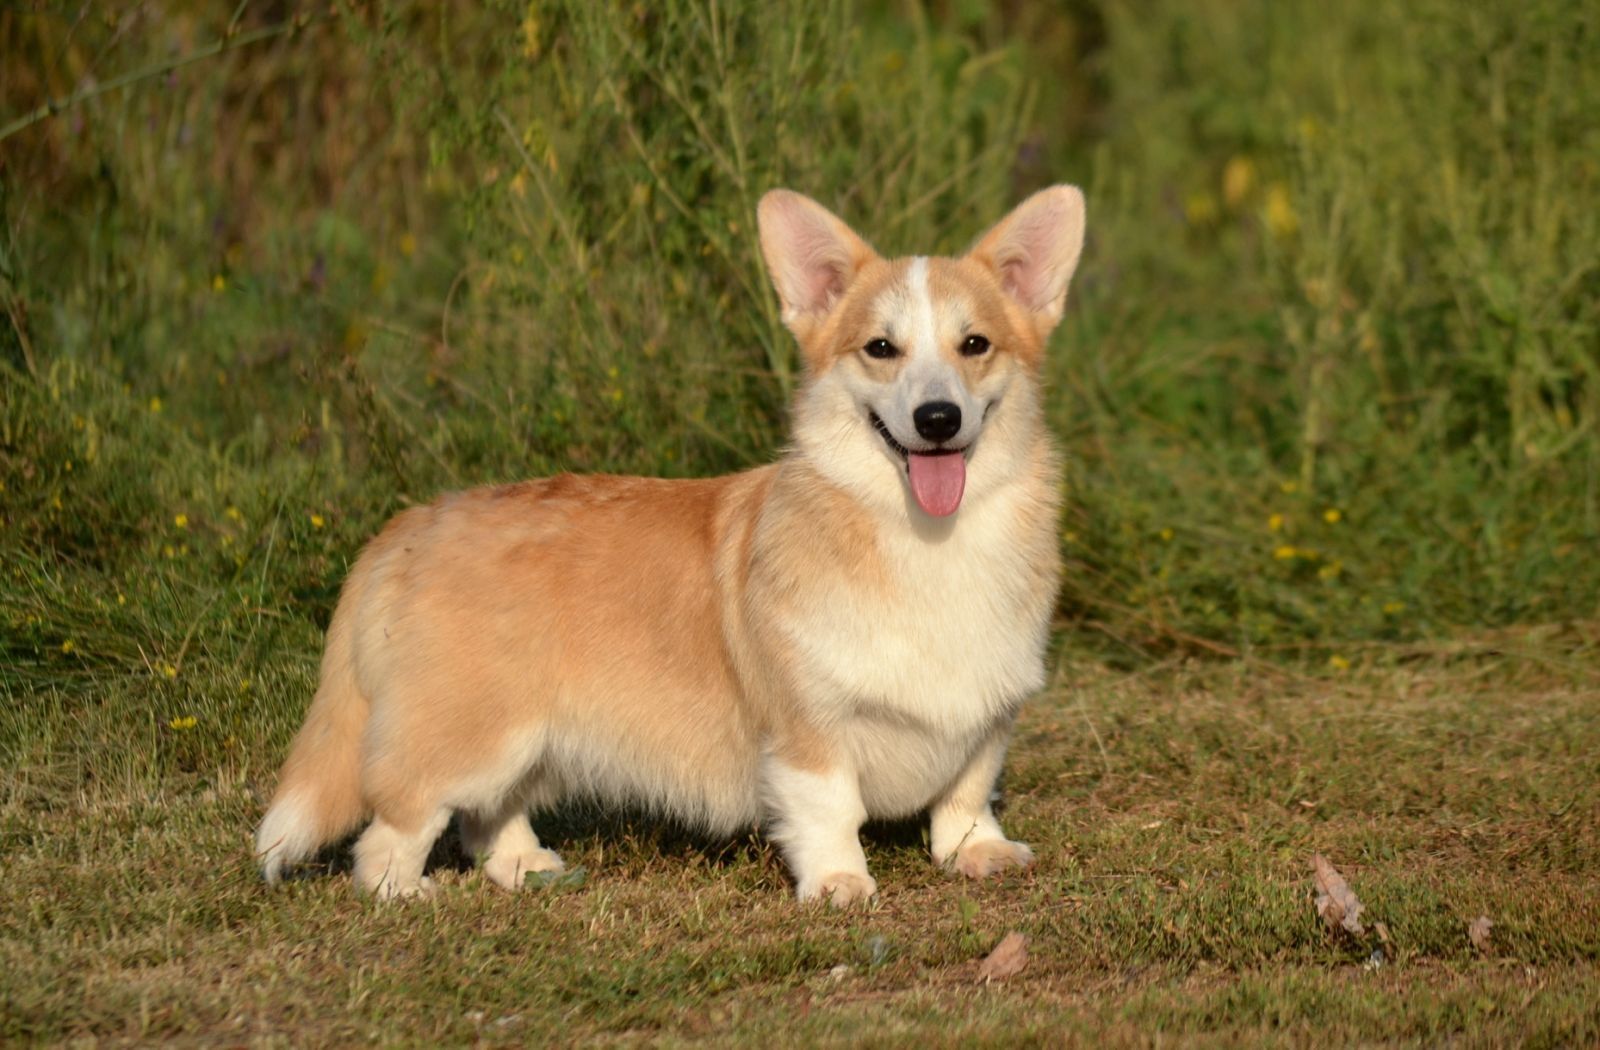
(769, 647)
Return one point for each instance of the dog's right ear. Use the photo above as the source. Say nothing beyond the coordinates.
(812, 257)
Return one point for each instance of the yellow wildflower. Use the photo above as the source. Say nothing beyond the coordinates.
(182, 722)
(1281, 219)
(1338, 663)
(1391, 608)
(1166, 535)
(1200, 209)
(1332, 515)
(1331, 570)
(219, 283)
(1275, 523)
(169, 670)
(155, 405)
(68, 645)
(531, 46)
(1285, 552)
(317, 521)
(232, 514)
(181, 521)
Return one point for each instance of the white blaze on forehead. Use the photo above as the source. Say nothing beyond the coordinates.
(923, 340)
(921, 326)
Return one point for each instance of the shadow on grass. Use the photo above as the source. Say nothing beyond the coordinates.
(576, 829)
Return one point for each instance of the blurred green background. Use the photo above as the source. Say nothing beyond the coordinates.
(1328, 383)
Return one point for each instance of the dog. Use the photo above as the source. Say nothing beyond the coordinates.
(842, 634)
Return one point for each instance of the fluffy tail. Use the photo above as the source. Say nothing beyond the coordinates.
(319, 791)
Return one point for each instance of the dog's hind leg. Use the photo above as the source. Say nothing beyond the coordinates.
(504, 843)
(409, 812)
(392, 851)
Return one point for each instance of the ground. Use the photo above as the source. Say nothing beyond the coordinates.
(1174, 812)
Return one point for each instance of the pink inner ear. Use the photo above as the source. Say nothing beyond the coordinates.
(1035, 249)
(824, 282)
(812, 255)
(812, 262)
(1024, 281)
(1027, 268)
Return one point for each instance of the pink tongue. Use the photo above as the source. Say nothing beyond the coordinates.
(937, 480)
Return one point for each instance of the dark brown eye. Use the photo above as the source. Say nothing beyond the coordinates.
(882, 349)
(974, 346)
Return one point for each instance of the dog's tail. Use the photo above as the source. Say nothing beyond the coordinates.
(319, 791)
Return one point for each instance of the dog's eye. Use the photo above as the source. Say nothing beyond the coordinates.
(882, 349)
(974, 346)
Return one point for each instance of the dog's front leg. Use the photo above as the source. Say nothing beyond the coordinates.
(964, 833)
(815, 816)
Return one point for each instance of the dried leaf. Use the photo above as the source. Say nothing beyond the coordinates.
(1336, 903)
(1478, 932)
(1007, 959)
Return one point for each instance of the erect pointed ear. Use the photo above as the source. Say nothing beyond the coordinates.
(1034, 251)
(811, 254)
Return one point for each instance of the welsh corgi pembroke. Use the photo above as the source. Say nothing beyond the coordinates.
(843, 634)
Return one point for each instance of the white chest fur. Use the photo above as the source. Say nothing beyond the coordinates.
(917, 666)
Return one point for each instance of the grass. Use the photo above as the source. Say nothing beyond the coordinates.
(1327, 388)
(1174, 812)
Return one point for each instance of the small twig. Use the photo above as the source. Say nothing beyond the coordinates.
(84, 94)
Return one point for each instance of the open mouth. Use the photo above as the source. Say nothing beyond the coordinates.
(938, 477)
(883, 431)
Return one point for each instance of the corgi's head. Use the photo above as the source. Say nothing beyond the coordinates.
(911, 362)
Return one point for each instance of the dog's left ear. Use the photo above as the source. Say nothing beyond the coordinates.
(812, 256)
(1035, 250)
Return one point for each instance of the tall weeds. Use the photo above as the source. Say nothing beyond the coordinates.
(1328, 378)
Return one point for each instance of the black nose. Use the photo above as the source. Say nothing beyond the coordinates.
(937, 420)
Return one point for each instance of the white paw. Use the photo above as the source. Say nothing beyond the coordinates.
(510, 869)
(841, 889)
(982, 859)
(391, 890)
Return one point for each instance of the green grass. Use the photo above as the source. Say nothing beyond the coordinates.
(1174, 812)
(1328, 388)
